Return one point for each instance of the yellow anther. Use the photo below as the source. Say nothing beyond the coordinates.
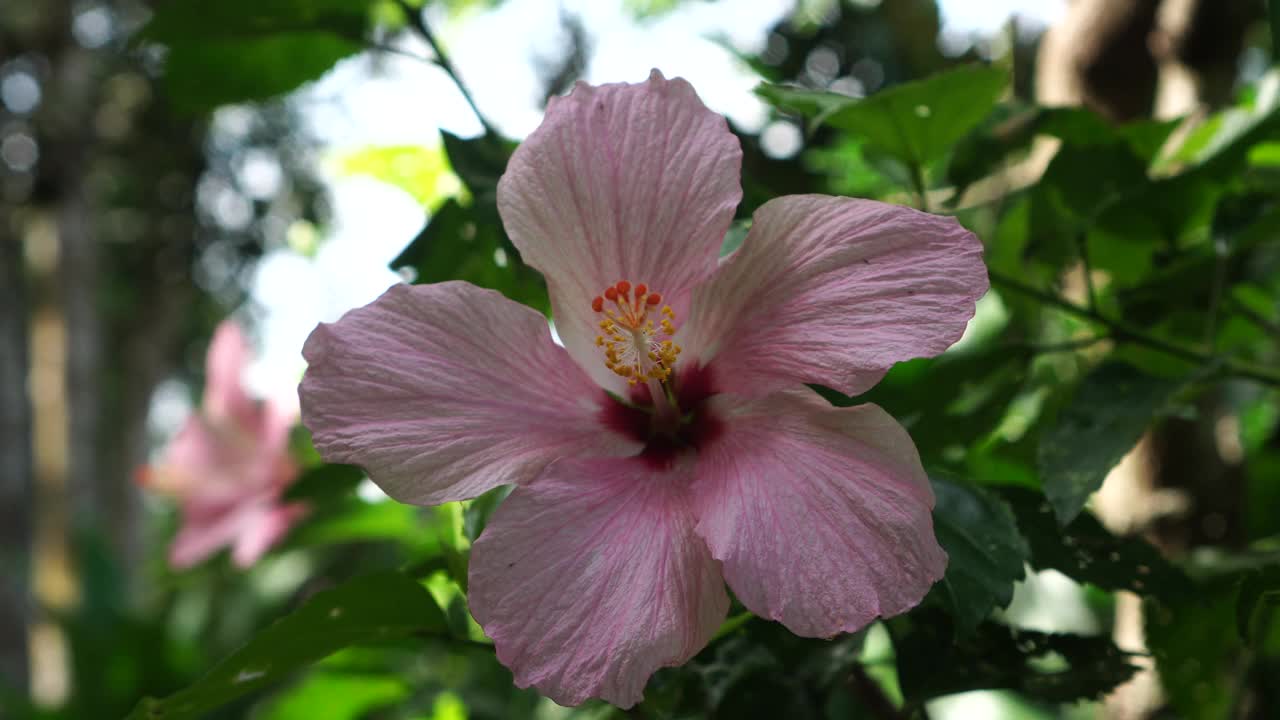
(637, 345)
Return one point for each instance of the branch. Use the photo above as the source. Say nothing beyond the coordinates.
(391, 50)
(1261, 321)
(1064, 346)
(1125, 333)
(417, 22)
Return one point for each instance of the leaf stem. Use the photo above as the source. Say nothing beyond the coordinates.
(1064, 346)
(917, 180)
(419, 24)
(1125, 333)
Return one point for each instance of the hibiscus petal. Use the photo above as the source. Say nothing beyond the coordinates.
(225, 398)
(444, 391)
(592, 578)
(834, 291)
(194, 542)
(634, 182)
(209, 527)
(820, 515)
(263, 530)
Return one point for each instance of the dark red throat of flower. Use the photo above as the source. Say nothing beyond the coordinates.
(693, 427)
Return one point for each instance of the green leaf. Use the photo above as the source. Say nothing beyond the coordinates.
(1221, 144)
(479, 162)
(761, 670)
(201, 75)
(1111, 409)
(1056, 668)
(336, 696)
(421, 171)
(1011, 130)
(178, 21)
(1260, 587)
(461, 242)
(354, 520)
(1088, 553)
(325, 481)
(982, 383)
(986, 553)
(1076, 126)
(810, 103)
(1197, 647)
(1125, 244)
(916, 122)
(919, 122)
(475, 516)
(1083, 180)
(981, 153)
(373, 608)
(245, 50)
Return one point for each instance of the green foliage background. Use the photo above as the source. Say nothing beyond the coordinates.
(1135, 283)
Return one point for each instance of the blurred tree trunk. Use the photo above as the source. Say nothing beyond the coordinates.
(1197, 44)
(1097, 57)
(15, 458)
(118, 172)
(111, 200)
(1128, 59)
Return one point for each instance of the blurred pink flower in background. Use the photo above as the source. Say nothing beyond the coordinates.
(670, 447)
(228, 465)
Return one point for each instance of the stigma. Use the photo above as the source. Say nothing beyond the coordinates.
(635, 346)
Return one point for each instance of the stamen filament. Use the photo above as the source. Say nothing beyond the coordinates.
(664, 412)
(634, 346)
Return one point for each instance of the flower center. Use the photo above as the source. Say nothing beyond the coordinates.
(634, 346)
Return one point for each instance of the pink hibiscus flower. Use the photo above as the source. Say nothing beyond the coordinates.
(228, 465)
(670, 446)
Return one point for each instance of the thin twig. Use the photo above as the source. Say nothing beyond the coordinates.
(393, 50)
(1262, 321)
(1124, 333)
(419, 24)
(1064, 346)
(1215, 293)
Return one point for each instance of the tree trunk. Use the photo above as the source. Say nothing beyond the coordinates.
(15, 460)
